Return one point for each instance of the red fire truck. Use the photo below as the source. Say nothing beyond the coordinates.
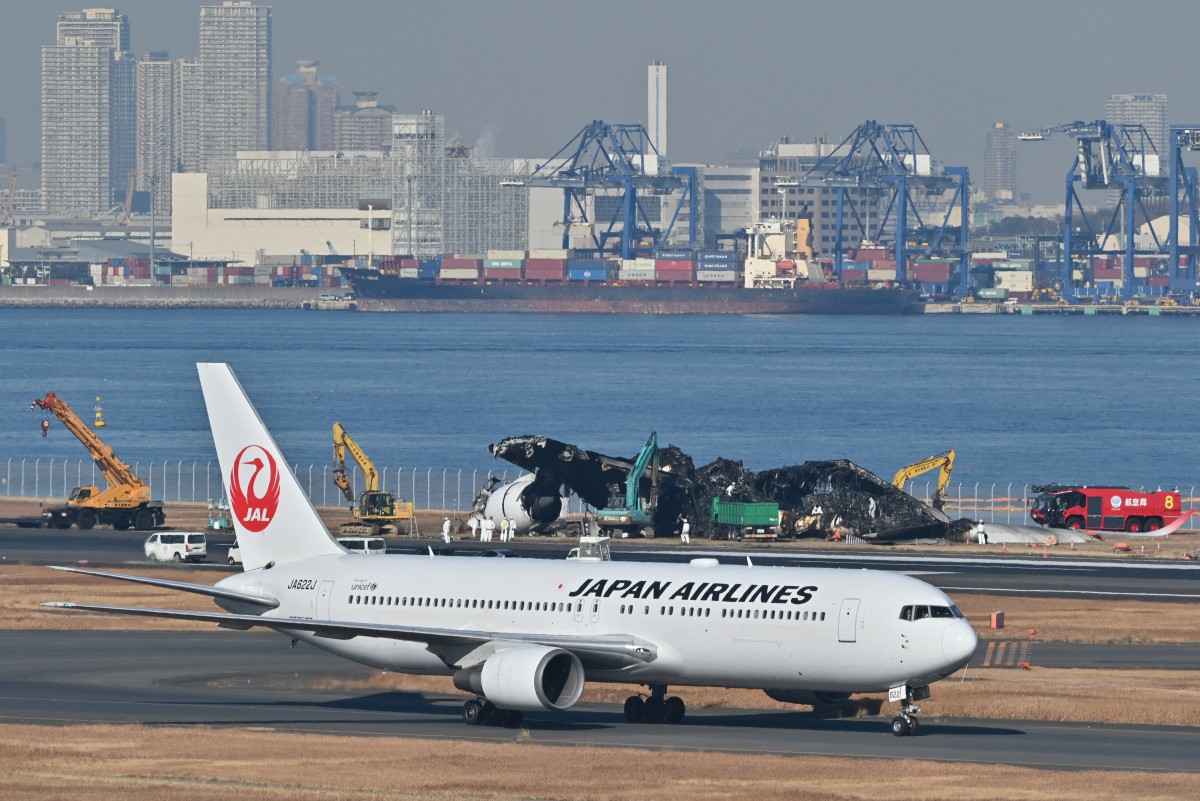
(1103, 508)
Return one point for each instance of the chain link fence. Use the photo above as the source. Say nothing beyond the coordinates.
(200, 482)
(428, 488)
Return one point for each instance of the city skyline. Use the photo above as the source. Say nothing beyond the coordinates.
(527, 94)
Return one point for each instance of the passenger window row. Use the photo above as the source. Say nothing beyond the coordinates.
(461, 603)
(559, 606)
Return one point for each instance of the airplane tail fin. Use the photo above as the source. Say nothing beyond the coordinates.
(273, 518)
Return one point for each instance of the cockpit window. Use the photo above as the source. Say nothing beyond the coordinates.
(921, 612)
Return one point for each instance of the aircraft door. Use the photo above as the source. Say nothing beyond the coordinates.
(1095, 512)
(848, 620)
(324, 594)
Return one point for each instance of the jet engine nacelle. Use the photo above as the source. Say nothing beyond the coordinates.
(529, 678)
(810, 697)
(518, 501)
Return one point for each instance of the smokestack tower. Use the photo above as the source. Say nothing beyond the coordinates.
(656, 106)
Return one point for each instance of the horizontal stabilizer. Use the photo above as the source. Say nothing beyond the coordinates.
(265, 601)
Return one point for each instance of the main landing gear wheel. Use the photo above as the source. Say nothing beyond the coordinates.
(674, 709)
(635, 709)
(654, 711)
(656, 708)
(486, 713)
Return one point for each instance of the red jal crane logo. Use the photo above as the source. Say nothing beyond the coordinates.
(254, 469)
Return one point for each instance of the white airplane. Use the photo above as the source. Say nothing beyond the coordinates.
(523, 635)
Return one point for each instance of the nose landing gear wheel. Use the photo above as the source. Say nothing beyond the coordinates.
(901, 727)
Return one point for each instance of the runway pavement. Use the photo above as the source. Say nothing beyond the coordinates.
(972, 569)
(253, 679)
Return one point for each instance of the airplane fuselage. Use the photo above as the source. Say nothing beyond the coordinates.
(706, 624)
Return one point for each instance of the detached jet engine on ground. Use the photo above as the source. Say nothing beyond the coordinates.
(527, 502)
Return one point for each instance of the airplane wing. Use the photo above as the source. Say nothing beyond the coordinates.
(448, 643)
(265, 601)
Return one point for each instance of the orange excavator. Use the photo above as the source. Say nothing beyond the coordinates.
(125, 504)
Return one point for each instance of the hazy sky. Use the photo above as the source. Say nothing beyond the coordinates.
(526, 76)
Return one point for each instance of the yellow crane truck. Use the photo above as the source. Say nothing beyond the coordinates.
(125, 504)
(376, 508)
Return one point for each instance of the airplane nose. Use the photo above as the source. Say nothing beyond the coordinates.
(958, 643)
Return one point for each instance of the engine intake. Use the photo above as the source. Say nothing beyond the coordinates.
(528, 678)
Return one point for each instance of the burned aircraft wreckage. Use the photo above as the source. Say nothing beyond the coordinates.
(817, 497)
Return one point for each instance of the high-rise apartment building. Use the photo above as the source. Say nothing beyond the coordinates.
(101, 27)
(235, 79)
(367, 125)
(1000, 164)
(1149, 111)
(656, 106)
(87, 114)
(187, 115)
(303, 107)
(156, 128)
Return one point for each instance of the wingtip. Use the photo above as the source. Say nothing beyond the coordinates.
(58, 604)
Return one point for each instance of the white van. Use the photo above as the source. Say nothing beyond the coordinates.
(363, 544)
(177, 546)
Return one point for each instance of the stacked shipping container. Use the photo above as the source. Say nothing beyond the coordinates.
(717, 267)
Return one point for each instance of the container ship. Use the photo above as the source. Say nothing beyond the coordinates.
(380, 290)
(672, 282)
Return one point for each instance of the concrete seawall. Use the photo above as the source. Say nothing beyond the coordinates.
(158, 297)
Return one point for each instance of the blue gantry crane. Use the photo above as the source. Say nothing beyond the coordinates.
(1122, 158)
(1183, 200)
(619, 161)
(889, 165)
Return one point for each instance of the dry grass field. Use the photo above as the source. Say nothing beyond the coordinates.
(133, 763)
